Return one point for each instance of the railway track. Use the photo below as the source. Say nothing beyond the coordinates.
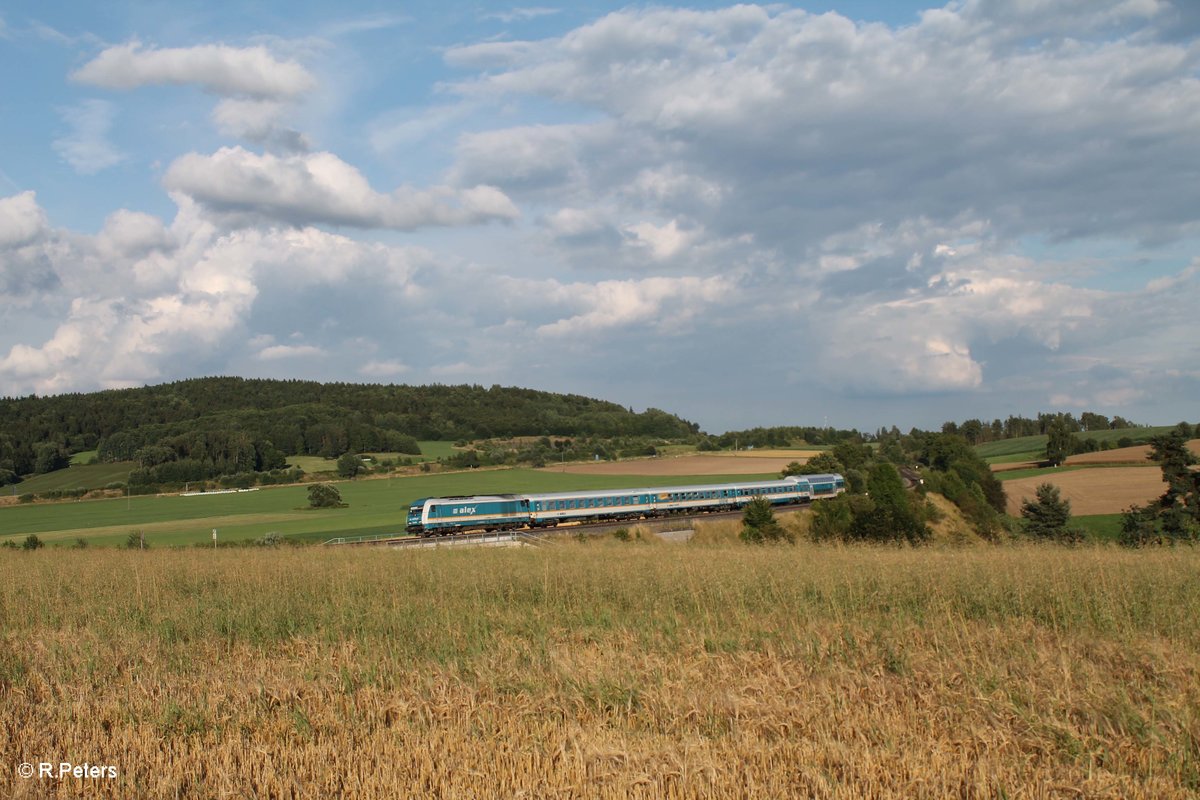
(533, 536)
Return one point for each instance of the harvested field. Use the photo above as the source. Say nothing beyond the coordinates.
(1014, 466)
(1124, 455)
(1093, 491)
(758, 463)
(604, 670)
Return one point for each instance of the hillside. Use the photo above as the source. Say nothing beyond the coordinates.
(229, 425)
(1032, 448)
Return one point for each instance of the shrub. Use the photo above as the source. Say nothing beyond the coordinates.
(759, 525)
(324, 495)
(32, 542)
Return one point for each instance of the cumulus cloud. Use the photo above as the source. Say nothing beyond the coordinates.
(661, 241)
(258, 89)
(221, 69)
(258, 121)
(142, 301)
(26, 246)
(662, 303)
(926, 212)
(22, 220)
(805, 124)
(320, 188)
(889, 192)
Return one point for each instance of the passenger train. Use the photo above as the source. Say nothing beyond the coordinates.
(440, 516)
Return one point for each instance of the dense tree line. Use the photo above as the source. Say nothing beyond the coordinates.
(974, 431)
(781, 436)
(977, 431)
(227, 425)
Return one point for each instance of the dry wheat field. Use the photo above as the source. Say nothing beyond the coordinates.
(602, 669)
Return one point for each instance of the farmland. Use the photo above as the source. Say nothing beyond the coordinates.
(374, 506)
(632, 670)
(1092, 491)
(1033, 448)
(740, 463)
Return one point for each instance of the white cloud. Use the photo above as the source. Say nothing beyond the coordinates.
(142, 301)
(320, 188)
(525, 158)
(383, 369)
(805, 124)
(258, 121)
(661, 241)
(522, 14)
(278, 351)
(132, 233)
(22, 220)
(221, 69)
(87, 147)
(660, 302)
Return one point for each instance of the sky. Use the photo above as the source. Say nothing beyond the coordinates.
(859, 214)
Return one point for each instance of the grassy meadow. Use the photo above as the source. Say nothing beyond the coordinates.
(1032, 448)
(76, 476)
(374, 506)
(605, 669)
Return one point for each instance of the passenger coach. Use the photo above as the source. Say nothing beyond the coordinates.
(434, 516)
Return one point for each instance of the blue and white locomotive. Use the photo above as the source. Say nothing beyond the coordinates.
(438, 516)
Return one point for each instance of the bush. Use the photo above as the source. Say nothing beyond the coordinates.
(32, 542)
(324, 495)
(759, 525)
(136, 540)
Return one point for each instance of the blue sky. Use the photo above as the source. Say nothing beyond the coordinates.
(866, 213)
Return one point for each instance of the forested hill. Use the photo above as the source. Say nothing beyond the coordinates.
(294, 417)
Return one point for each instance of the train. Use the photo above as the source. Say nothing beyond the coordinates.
(443, 516)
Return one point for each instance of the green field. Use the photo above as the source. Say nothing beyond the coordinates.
(91, 476)
(1030, 448)
(374, 507)
(1099, 527)
(84, 457)
(430, 451)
